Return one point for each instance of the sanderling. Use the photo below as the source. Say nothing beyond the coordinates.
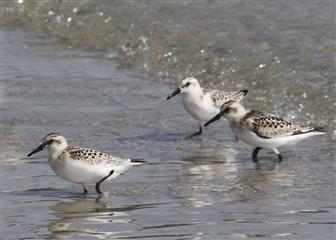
(82, 165)
(263, 130)
(202, 104)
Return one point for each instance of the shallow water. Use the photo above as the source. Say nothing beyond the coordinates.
(204, 188)
(283, 52)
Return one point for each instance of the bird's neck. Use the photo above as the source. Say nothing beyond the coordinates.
(238, 116)
(55, 152)
(196, 94)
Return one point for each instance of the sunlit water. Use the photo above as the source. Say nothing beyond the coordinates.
(282, 51)
(205, 188)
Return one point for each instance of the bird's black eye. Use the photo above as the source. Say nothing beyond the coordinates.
(50, 142)
(187, 84)
(226, 110)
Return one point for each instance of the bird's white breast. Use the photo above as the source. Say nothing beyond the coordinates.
(200, 107)
(78, 171)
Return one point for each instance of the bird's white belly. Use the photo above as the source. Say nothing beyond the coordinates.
(79, 172)
(254, 140)
(200, 110)
(269, 143)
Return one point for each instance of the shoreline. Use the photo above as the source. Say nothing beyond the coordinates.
(209, 180)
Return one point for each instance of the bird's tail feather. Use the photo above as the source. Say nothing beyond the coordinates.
(137, 160)
(244, 91)
(319, 129)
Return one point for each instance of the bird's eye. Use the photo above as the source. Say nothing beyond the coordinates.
(187, 84)
(226, 110)
(50, 142)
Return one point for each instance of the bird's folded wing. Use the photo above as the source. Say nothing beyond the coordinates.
(220, 97)
(267, 125)
(92, 156)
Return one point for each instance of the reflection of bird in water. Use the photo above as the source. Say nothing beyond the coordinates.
(210, 171)
(216, 176)
(262, 183)
(82, 217)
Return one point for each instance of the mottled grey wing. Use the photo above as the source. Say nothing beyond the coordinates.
(267, 125)
(92, 156)
(220, 97)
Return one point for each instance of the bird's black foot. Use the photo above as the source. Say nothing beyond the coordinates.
(195, 134)
(255, 154)
(97, 200)
(85, 191)
(279, 157)
(97, 187)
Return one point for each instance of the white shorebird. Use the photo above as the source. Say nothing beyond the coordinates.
(82, 165)
(202, 104)
(263, 130)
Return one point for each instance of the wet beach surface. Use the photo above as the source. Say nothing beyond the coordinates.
(204, 188)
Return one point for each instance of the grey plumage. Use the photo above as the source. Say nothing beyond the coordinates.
(90, 156)
(220, 97)
(267, 125)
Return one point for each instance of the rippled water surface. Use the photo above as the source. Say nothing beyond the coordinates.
(282, 50)
(204, 188)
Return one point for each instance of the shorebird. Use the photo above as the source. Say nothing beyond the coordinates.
(263, 130)
(82, 165)
(202, 104)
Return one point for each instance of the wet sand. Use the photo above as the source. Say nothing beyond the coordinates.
(204, 188)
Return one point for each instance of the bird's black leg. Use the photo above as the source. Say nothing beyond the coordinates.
(84, 189)
(255, 154)
(102, 180)
(279, 157)
(278, 154)
(196, 133)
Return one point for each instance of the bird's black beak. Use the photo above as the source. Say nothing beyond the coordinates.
(214, 119)
(39, 148)
(177, 91)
